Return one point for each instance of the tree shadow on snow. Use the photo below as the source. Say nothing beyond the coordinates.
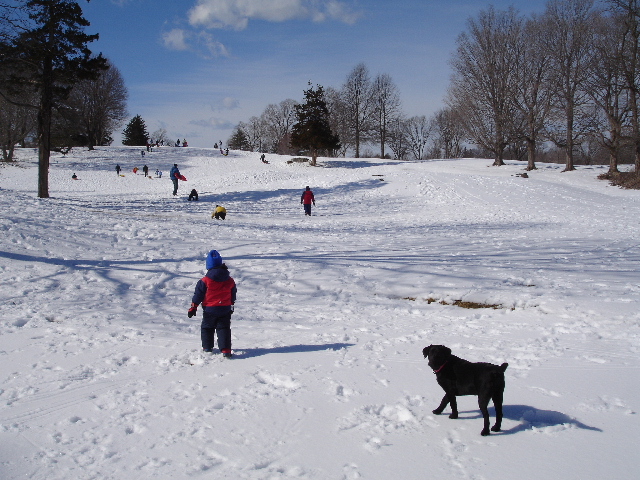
(258, 352)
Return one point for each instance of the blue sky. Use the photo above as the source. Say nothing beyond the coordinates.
(198, 67)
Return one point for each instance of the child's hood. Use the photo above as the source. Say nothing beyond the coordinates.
(219, 274)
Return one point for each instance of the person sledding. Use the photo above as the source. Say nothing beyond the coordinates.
(216, 291)
(175, 175)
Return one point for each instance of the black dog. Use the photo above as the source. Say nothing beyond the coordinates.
(193, 195)
(460, 377)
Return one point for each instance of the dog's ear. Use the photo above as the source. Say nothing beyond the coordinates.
(447, 351)
(425, 351)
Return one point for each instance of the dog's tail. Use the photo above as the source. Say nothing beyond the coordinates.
(503, 367)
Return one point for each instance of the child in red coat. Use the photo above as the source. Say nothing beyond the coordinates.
(216, 291)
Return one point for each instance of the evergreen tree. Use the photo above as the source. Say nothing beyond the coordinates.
(239, 140)
(47, 54)
(135, 133)
(312, 131)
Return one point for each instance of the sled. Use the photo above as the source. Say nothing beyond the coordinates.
(182, 177)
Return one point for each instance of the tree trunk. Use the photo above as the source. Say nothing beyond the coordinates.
(569, 148)
(44, 130)
(531, 155)
(613, 164)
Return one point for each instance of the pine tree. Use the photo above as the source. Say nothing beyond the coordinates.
(312, 131)
(48, 55)
(135, 133)
(239, 140)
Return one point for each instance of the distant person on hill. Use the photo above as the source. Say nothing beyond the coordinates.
(220, 213)
(173, 175)
(306, 200)
(74, 176)
(193, 195)
(263, 159)
(118, 170)
(159, 173)
(216, 291)
(145, 170)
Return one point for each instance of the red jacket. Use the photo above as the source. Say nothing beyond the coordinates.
(218, 294)
(216, 291)
(307, 197)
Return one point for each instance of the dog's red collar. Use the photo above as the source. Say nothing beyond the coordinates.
(436, 371)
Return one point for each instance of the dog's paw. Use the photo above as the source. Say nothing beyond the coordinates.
(453, 415)
(437, 411)
(495, 428)
(484, 432)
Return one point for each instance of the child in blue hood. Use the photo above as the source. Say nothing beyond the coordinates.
(216, 291)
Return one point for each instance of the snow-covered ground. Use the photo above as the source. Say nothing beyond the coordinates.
(101, 373)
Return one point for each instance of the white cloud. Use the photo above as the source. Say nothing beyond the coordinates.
(213, 46)
(218, 123)
(180, 40)
(175, 39)
(237, 13)
(229, 103)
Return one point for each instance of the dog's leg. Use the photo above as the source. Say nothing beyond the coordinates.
(483, 402)
(454, 406)
(497, 403)
(443, 404)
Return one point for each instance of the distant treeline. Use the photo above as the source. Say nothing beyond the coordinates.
(561, 86)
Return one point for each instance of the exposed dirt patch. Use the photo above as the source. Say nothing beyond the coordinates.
(622, 179)
(461, 303)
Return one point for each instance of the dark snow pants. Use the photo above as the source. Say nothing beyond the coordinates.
(216, 324)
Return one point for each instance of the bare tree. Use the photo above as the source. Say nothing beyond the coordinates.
(628, 13)
(359, 102)
(398, 139)
(101, 105)
(533, 89)
(278, 120)
(607, 88)
(256, 132)
(339, 120)
(16, 123)
(483, 79)
(161, 137)
(417, 132)
(569, 29)
(387, 107)
(449, 133)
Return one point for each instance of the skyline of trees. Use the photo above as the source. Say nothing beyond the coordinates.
(564, 82)
(523, 87)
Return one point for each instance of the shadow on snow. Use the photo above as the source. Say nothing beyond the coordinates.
(258, 352)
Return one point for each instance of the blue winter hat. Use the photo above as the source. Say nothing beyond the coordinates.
(213, 259)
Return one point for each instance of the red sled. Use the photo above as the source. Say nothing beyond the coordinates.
(182, 177)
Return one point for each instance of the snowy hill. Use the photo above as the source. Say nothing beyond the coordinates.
(102, 375)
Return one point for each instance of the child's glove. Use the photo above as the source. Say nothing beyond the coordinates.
(192, 311)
